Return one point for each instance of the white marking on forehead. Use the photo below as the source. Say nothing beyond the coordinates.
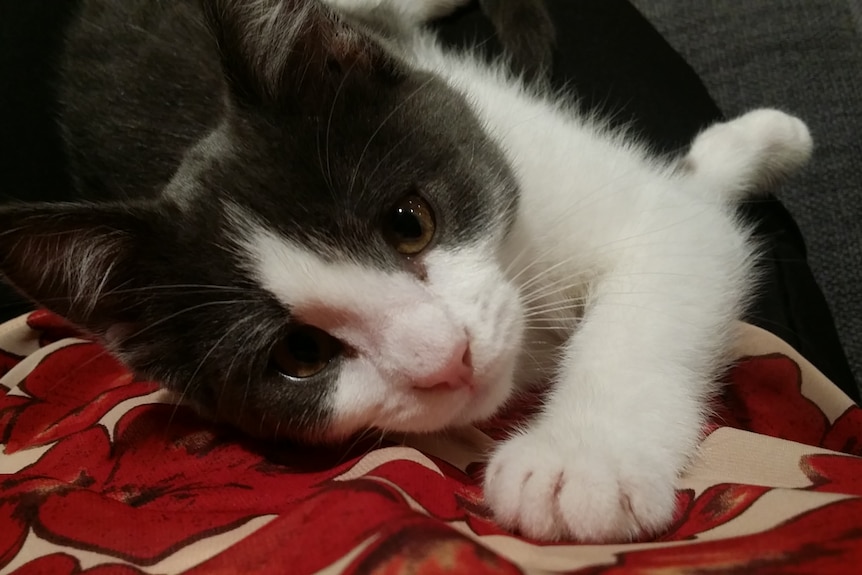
(297, 275)
(300, 278)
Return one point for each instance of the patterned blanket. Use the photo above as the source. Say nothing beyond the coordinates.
(102, 474)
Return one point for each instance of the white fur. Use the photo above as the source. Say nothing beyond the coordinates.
(403, 330)
(661, 269)
(739, 157)
(633, 272)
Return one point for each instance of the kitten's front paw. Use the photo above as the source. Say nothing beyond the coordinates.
(551, 488)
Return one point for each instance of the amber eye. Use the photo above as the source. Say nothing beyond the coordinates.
(409, 227)
(305, 351)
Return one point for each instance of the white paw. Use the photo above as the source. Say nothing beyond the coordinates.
(552, 489)
(759, 146)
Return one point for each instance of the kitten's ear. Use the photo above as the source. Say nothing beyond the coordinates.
(73, 259)
(290, 53)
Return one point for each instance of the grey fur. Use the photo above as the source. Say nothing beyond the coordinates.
(174, 110)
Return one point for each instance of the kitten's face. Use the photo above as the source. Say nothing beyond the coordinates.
(325, 261)
(420, 345)
(376, 260)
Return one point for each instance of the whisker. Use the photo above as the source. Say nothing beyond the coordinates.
(327, 150)
(184, 311)
(383, 123)
(549, 311)
(200, 365)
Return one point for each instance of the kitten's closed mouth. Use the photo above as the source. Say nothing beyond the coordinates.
(450, 387)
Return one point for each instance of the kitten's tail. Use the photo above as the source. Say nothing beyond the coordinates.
(746, 156)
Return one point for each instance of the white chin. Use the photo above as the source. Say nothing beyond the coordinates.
(486, 402)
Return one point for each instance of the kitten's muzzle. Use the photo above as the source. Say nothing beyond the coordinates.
(456, 372)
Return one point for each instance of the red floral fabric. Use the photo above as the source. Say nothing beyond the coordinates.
(102, 474)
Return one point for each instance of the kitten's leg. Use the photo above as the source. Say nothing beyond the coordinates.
(744, 155)
(600, 463)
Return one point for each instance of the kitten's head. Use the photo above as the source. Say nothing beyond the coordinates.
(324, 261)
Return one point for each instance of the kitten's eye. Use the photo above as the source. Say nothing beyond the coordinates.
(409, 227)
(304, 352)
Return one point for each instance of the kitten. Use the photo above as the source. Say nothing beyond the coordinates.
(307, 229)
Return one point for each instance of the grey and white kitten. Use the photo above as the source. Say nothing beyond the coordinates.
(307, 229)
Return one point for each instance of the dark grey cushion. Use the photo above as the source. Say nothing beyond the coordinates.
(805, 57)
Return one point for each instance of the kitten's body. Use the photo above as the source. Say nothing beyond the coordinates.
(635, 272)
(615, 275)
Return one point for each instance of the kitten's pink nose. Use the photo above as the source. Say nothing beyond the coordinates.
(456, 372)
